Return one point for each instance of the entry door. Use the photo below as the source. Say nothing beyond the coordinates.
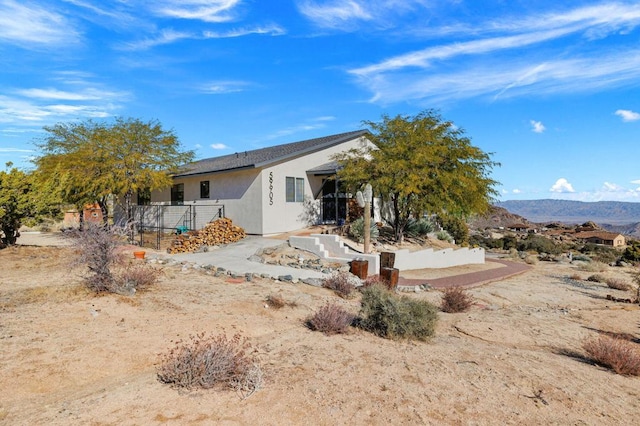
(334, 203)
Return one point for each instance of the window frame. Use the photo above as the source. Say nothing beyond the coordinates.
(205, 189)
(294, 189)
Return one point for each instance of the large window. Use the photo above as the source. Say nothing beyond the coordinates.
(204, 189)
(177, 194)
(295, 190)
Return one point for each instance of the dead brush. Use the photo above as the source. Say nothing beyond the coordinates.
(618, 284)
(331, 319)
(134, 277)
(278, 302)
(455, 299)
(617, 354)
(342, 283)
(209, 361)
(575, 277)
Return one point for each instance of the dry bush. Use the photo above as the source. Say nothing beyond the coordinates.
(455, 299)
(575, 277)
(331, 319)
(597, 278)
(342, 283)
(391, 316)
(594, 267)
(208, 361)
(132, 277)
(531, 259)
(372, 280)
(276, 302)
(618, 284)
(620, 355)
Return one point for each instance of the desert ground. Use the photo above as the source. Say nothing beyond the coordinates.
(69, 357)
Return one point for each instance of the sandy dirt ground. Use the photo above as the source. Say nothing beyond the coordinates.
(68, 357)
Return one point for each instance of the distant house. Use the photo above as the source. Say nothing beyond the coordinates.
(518, 227)
(602, 237)
(269, 190)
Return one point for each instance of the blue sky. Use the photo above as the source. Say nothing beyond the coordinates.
(551, 88)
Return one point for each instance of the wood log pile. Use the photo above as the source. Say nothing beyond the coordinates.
(220, 231)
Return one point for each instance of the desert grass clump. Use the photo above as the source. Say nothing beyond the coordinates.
(395, 317)
(596, 278)
(618, 284)
(342, 283)
(275, 301)
(531, 259)
(331, 319)
(575, 277)
(208, 361)
(131, 277)
(594, 266)
(620, 355)
(455, 299)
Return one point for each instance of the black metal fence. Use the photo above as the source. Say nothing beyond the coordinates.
(155, 224)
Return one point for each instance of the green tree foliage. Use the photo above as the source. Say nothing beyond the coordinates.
(21, 199)
(456, 227)
(88, 161)
(421, 164)
(632, 252)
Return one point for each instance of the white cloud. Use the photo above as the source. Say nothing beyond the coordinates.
(516, 191)
(214, 11)
(537, 126)
(334, 13)
(494, 65)
(272, 30)
(627, 115)
(636, 182)
(15, 150)
(218, 146)
(31, 25)
(223, 86)
(562, 186)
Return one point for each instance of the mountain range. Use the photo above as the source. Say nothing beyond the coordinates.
(614, 216)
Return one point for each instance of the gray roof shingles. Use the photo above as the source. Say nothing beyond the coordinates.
(265, 156)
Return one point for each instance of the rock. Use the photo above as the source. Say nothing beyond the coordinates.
(286, 278)
(316, 282)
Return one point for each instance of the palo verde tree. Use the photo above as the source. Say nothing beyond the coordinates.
(419, 165)
(90, 161)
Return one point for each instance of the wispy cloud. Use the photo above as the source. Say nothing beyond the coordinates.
(31, 25)
(562, 186)
(218, 146)
(223, 87)
(628, 115)
(514, 57)
(334, 13)
(537, 126)
(313, 124)
(273, 30)
(214, 11)
(16, 150)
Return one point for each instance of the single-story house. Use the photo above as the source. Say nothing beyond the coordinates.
(602, 237)
(269, 190)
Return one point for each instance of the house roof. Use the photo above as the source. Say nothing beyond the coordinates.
(603, 235)
(329, 168)
(266, 156)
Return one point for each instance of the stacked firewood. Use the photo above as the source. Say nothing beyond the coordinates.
(220, 231)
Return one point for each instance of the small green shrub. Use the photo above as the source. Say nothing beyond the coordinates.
(388, 315)
(356, 230)
(618, 284)
(331, 319)
(208, 361)
(632, 252)
(456, 227)
(620, 355)
(342, 283)
(455, 299)
(444, 236)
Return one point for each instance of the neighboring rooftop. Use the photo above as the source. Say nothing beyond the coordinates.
(265, 156)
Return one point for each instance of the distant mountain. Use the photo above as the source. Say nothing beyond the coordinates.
(574, 212)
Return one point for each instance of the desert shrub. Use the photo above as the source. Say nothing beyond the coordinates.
(275, 301)
(457, 228)
(356, 230)
(620, 355)
(531, 260)
(342, 283)
(444, 236)
(391, 316)
(575, 277)
(455, 299)
(419, 228)
(632, 252)
(373, 280)
(539, 244)
(208, 361)
(331, 319)
(596, 278)
(96, 246)
(129, 278)
(617, 284)
(600, 253)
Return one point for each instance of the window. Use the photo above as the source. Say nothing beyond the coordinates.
(204, 189)
(144, 197)
(295, 190)
(177, 194)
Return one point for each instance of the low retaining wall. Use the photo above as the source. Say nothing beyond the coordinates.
(330, 247)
